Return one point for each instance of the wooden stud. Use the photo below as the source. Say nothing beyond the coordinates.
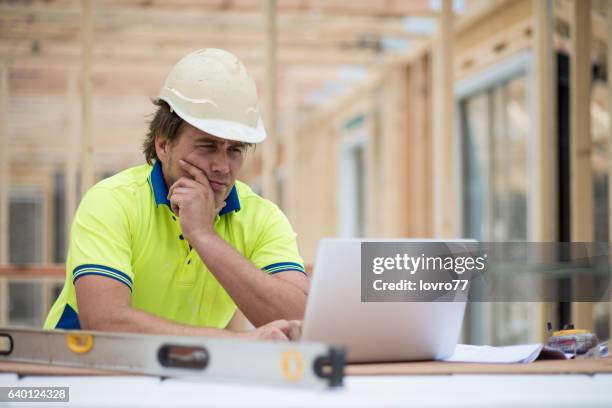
(581, 178)
(391, 160)
(444, 139)
(270, 148)
(543, 201)
(426, 223)
(5, 155)
(580, 138)
(87, 142)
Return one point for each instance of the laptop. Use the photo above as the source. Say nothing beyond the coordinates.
(375, 331)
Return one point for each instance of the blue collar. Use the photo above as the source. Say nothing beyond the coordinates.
(160, 191)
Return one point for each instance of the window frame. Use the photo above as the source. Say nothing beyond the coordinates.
(521, 64)
(496, 75)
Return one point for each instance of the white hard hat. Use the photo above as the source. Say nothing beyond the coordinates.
(211, 90)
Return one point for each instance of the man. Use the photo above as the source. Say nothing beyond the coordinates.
(172, 247)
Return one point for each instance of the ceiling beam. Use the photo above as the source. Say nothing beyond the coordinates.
(116, 16)
(379, 8)
(146, 53)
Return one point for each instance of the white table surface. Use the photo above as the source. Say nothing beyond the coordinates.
(366, 391)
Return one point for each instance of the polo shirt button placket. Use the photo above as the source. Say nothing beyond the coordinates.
(181, 237)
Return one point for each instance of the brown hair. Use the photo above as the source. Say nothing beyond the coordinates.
(166, 124)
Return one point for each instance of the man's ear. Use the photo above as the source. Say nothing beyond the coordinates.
(162, 146)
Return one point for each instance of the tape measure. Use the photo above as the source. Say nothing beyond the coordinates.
(571, 340)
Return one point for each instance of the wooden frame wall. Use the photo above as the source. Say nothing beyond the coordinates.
(406, 108)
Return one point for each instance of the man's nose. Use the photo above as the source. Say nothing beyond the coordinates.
(220, 162)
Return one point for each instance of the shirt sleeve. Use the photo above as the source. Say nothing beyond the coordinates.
(276, 250)
(100, 241)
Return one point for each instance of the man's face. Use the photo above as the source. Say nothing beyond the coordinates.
(219, 159)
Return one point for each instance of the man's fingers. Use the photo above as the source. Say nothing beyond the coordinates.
(185, 182)
(278, 335)
(270, 332)
(182, 182)
(291, 328)
(197, 174)
(294, 329)
(175, 203)
(177, 197)
(180, 190)
(190, 168)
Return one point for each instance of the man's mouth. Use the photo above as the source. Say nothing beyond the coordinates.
(217, 186)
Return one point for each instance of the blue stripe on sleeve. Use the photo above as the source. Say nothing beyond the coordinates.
(101, 270)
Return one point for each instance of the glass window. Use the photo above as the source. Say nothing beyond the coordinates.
(352, 176)
(512, 119)
(25, 227)
(25, 304)
(600, 125)
(56, 289)
(495, 126)
(59, 217)
(475, 123)
(352, 188)
(281, 178)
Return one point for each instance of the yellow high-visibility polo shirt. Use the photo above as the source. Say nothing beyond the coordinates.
(125, 230)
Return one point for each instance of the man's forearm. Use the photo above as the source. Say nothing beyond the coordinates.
(128, 319)
(261, 297)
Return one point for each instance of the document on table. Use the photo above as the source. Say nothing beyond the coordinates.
(523, 353)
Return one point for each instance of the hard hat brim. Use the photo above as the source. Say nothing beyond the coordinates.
(224, 129)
